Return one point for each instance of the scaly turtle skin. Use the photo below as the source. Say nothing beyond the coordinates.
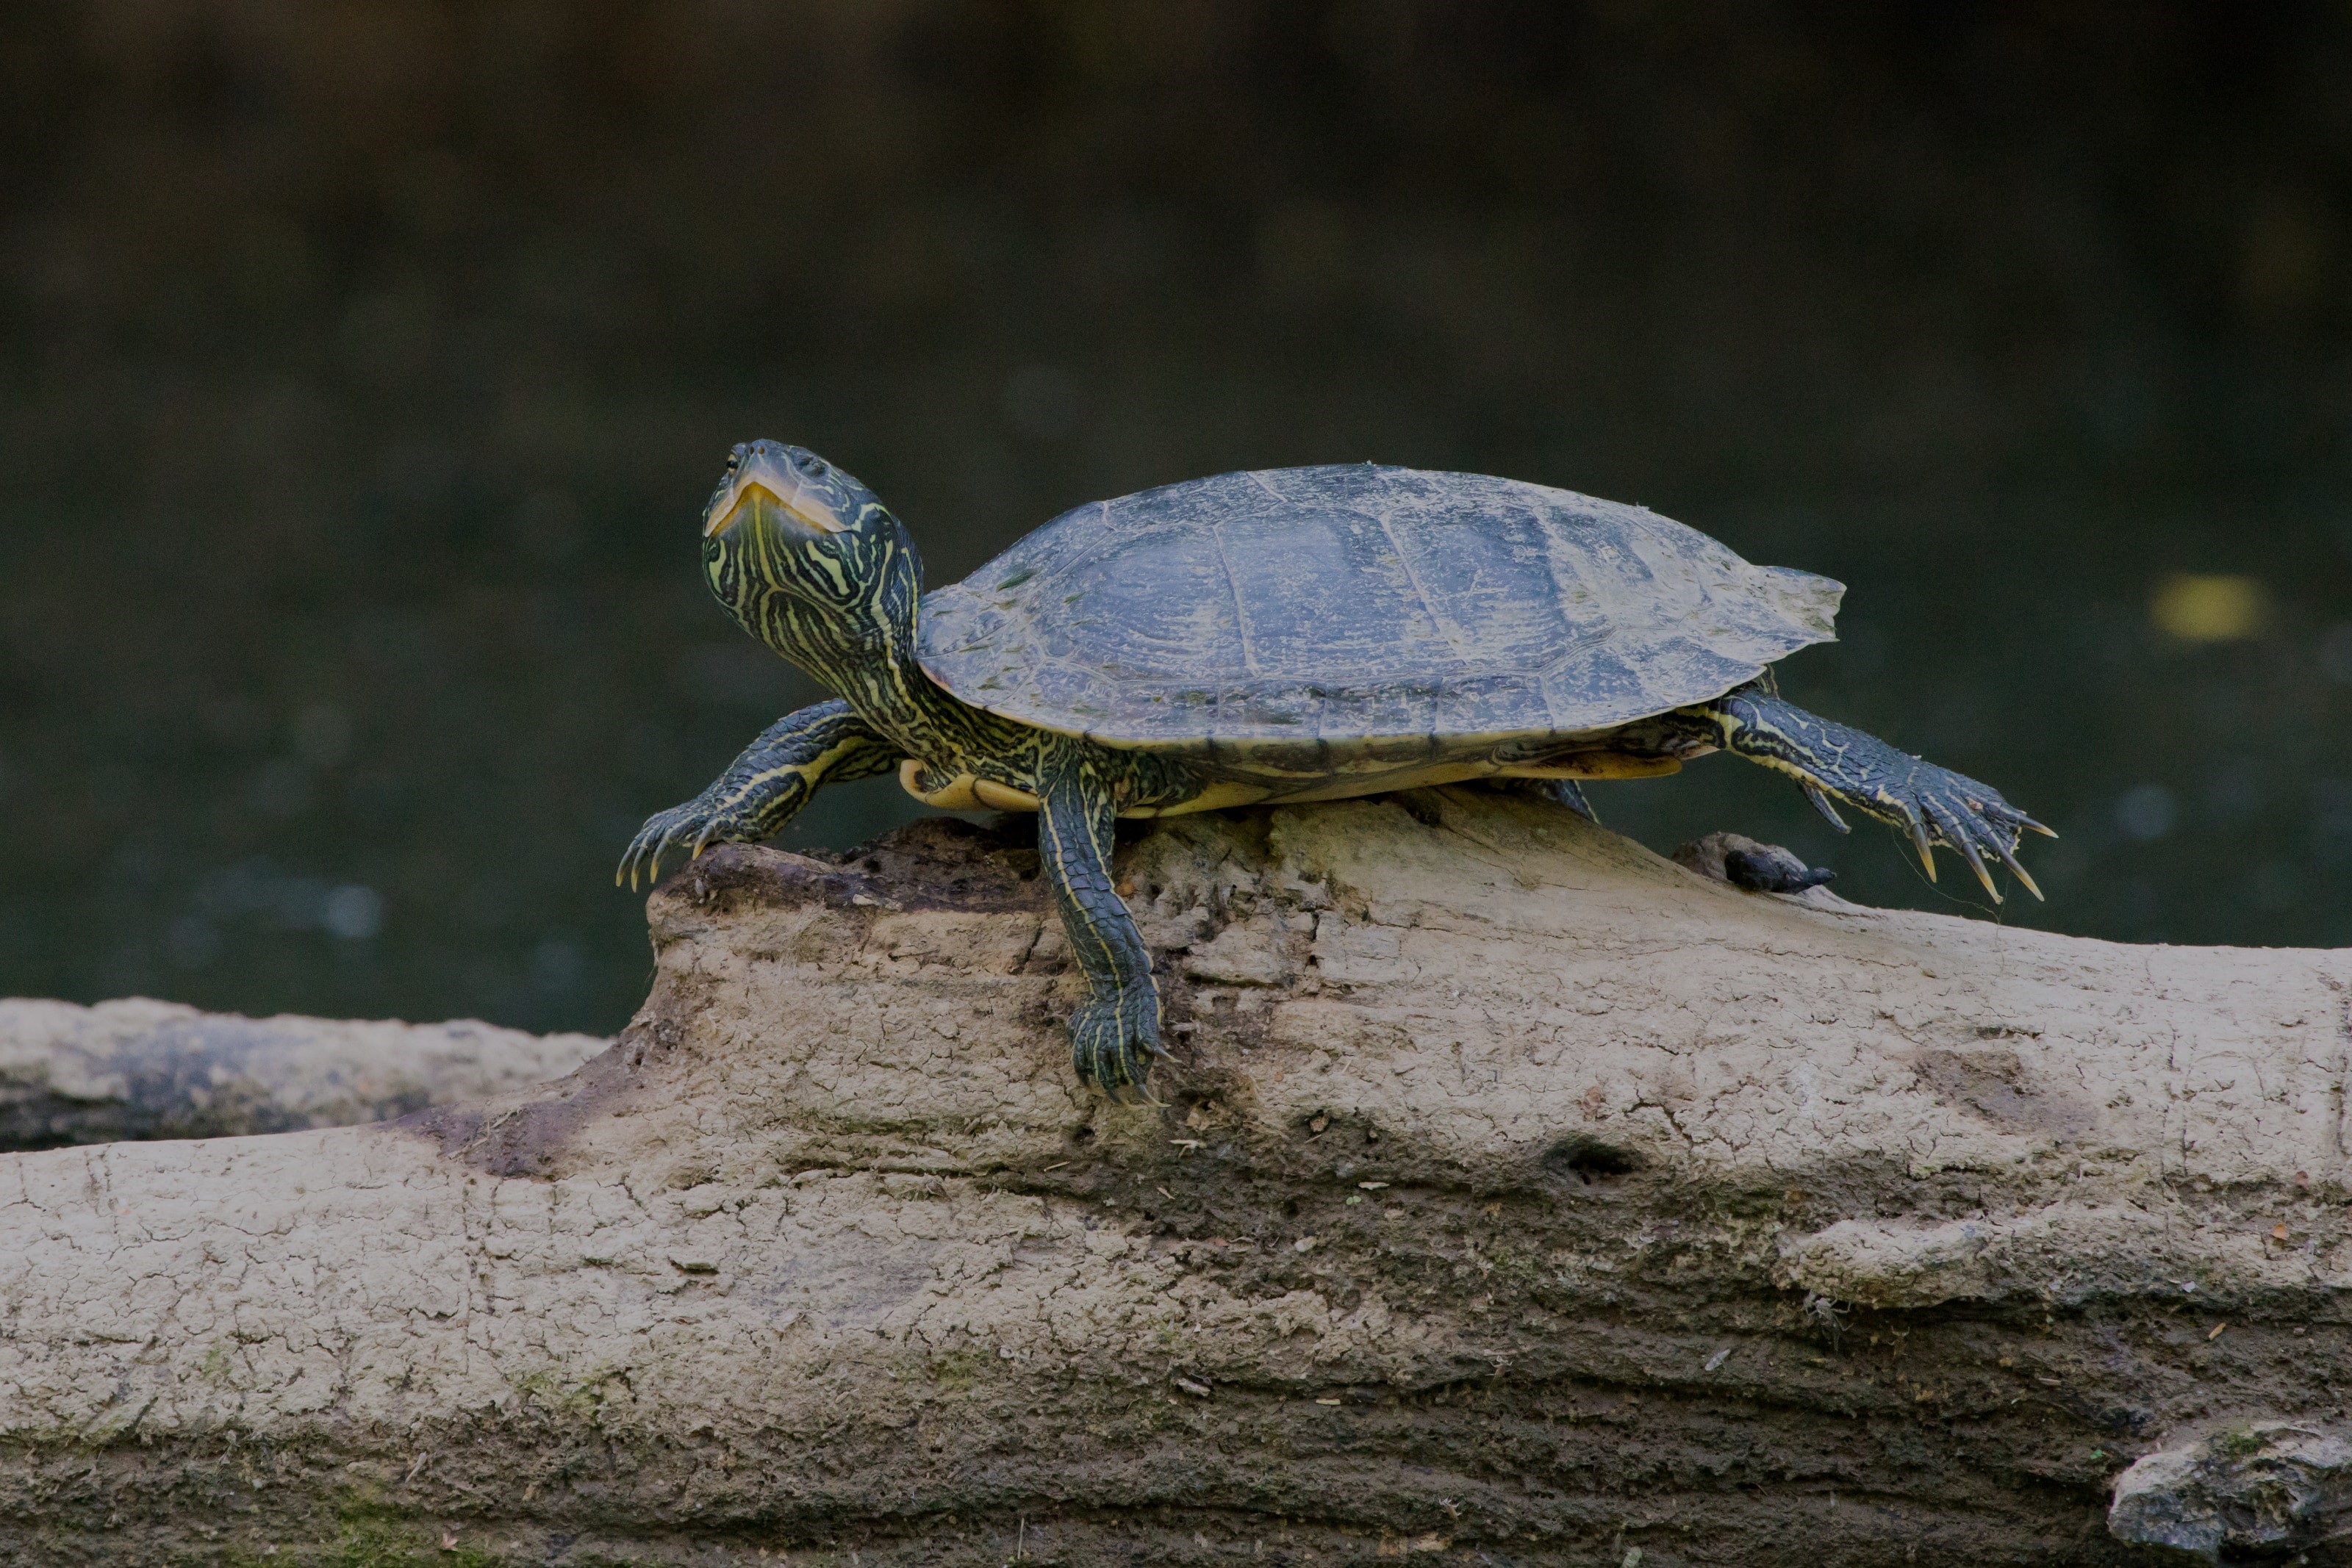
(1290, 635)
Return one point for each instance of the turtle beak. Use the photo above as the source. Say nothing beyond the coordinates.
(765, 491)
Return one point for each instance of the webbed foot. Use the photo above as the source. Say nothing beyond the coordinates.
(707, 819)
(1114, 1042)
(764, 788)
(1941, 808)
(1837, 765)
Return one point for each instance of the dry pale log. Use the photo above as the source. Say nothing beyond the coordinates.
(1521, 1198)
(144, 1069)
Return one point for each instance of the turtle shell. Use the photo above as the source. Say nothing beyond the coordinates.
(1359, 603)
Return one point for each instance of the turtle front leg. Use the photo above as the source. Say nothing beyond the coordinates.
(1115, 1032)
(766, 787)
(1833, 762)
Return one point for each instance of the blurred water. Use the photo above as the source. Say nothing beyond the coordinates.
(362, 369)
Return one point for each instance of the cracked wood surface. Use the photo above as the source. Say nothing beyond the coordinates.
(1519, 1193)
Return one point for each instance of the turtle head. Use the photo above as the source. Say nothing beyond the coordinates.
(769, 487)
(810, 561)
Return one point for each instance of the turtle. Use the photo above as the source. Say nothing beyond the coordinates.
(1276, 636)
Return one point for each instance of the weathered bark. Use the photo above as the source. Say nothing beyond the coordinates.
(1519, 1194)
(142, 1069)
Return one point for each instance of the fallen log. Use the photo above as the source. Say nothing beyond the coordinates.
(144, 1069)
(1517, 1196)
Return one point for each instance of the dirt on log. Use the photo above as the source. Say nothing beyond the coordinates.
(1518, 1197)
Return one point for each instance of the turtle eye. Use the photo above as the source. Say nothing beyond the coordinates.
(809, 462)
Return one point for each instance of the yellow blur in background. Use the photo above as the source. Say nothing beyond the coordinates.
(2197, 608)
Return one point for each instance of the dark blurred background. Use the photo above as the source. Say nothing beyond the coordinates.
(363, 366)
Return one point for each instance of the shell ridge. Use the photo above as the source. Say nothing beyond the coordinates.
(1234, 590)
(1446, 626)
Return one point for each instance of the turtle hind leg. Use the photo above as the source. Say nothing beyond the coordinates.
(1565, 792)
(1835, 763)
(765, 788)
(1115, 1032)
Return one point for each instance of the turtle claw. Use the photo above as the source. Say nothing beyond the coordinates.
(2023, 880)
(1976, 864)
(1820, 797)
(1920, 843)
(694, 827)
(1113, 1046)
(1568, 793)
(1970, 821)
(2003, 814)
(1934, 806)
(1960, 832)
(2008, 859)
